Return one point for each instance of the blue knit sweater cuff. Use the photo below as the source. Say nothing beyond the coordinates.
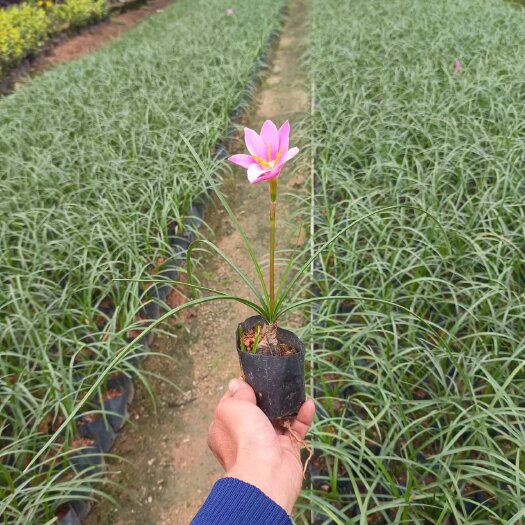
(234, 502)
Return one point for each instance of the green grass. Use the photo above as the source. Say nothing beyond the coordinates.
(421, 422)
(95, 176)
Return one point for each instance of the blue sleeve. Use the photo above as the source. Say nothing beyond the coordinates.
(233, 502)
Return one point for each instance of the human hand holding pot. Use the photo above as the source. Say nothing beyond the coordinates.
(252, 449)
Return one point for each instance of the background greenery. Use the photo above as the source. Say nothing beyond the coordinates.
(420, 421)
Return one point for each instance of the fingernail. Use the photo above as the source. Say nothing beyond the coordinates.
(234, 386)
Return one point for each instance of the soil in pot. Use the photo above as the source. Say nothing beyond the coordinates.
(86, 455)
(115, 406)
(121, 381)
(278, 379)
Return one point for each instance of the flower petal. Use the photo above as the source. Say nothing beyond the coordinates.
(290, 154)
(254, 143)
(270, 137)
(268, 175)
(255, 171)
(284, 138)
(242, 160)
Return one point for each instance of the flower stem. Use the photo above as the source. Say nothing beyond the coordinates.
(273, 206)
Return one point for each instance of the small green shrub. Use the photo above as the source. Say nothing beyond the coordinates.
(76, 13)
(25, 28)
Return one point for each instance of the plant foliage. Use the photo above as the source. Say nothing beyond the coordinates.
(419, 423)
(96, 181)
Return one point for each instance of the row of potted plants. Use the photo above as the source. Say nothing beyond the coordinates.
(105, 415)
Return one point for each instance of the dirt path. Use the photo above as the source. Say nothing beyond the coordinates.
(168, 470)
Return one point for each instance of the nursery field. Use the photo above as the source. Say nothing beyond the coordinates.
(420, 370)
(97, 178)
(417, 154)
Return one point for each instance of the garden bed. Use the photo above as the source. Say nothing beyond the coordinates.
(99, 181)
(422, 418)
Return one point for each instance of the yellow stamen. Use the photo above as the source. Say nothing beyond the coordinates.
(268, 163)
(261, 161)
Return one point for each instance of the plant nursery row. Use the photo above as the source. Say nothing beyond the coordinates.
(419, 368)
(98, 180)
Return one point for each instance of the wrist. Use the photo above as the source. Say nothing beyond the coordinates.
(265, 475)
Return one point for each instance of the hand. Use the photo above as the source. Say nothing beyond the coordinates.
(253, 450)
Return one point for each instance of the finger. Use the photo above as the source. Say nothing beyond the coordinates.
(304, 419)
(231, 389)
(242, 391)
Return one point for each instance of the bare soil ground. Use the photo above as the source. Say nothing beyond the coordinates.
(167, 470)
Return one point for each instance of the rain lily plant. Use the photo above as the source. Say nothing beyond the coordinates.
(457, 66)
(269, 151)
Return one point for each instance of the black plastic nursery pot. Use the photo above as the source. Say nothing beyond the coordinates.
(139, 354)
(278, 381)
(87, 457)
(150, 310)
(98, 428)
(67, 516)
(82, 507)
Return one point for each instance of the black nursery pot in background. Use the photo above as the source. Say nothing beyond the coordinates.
(278, 381)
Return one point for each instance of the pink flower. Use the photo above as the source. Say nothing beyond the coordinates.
(457, 65)
(229, 11)
(268, 152)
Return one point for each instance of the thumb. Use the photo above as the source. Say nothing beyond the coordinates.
(241, 391)
(304, 419)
